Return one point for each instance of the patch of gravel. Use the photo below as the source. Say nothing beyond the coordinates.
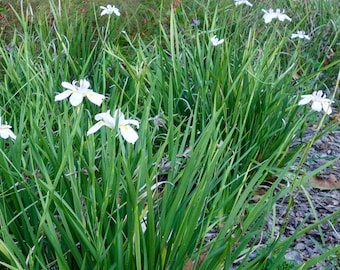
(318, 240)
(325, 202)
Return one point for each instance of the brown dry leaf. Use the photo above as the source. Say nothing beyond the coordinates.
(190, 264)
(326, 184)
(263, 188)
(335, 117)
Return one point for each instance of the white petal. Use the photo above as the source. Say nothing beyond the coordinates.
(117, 12)
(215, 41)
(317, 106)
(95, 98)
(268, 17)
(319, 94)
(283, 17)
(95, 128)
(327, 107)
(6, 132)
(220, 41)
(69, 86)
(107, 118)
(101, 116)
(128, 133)
(11, 134)
(129, 122)
(84, 84)
(123, 121)
(104, 10)
(305, 99)
(63, 95)
(118, 113)
(76, 99)
(239, 2)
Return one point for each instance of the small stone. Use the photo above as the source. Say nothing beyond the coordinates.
(294, 256)
(336, 235)
(300, 246)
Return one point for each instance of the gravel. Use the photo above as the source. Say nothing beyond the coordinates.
(321, 203)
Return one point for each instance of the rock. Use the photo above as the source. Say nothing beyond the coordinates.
(294, 256)
(300, 246)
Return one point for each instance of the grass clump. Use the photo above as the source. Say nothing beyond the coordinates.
(215, 122)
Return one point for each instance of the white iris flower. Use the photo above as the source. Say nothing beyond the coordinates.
(77, 93)
(6, 132)
(109, 9)
(269, 15)
(319, 101)
(301, 35)
(240, 2)
(118, 119)
(215, 41)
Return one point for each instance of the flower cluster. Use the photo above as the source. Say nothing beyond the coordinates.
(318, 98)
(76, 94)
(268, 16)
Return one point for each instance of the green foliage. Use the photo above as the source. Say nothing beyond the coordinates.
(215, 123)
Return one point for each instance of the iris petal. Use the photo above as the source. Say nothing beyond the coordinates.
(128, 133)
(95, 128)
(107, 118)
(76, 99)
(69, 86)
(327, 107)
(130, 122)
(317, 106)
(306, 99)
(4, 134)
(63, 95)
(84, 84)
(95, 98)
